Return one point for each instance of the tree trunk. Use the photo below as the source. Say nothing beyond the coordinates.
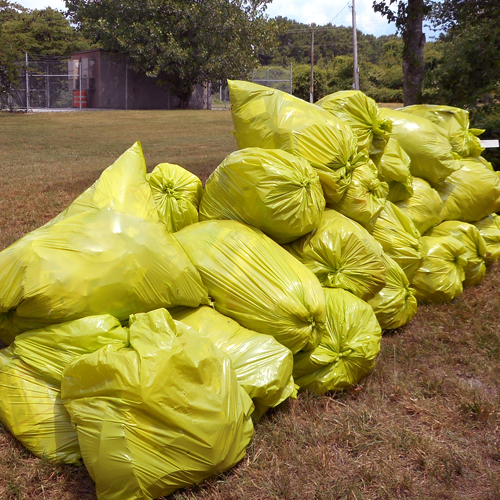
(413, 53)
(184, 100)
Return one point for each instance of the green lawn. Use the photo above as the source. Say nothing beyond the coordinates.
(424, 425)
(47, 159)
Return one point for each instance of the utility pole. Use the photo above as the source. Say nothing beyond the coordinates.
(355, 47)
(311, 90)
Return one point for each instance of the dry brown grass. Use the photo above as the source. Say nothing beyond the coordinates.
(424, 425)
(390, 105)
(47, 159)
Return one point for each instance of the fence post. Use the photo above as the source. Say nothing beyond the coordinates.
(27, 86)
(47, 86)
(80, 82)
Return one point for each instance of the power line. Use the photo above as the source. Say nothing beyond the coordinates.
(339, 13)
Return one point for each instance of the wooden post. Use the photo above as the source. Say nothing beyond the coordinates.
(311, 90)
(355, 47)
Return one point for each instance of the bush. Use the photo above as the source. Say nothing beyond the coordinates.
(488, 118)
(385, 94)
(302, 82)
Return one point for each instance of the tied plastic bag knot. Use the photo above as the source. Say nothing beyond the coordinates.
(323, 356)
(461, 260)
(382, 127)
(345, 353)
(358, 159)
(306, 184)
(332, 279)
(375, 186)
(170, 191)
(354, 161)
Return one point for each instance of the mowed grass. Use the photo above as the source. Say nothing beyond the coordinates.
(424, 425)
(47, 159)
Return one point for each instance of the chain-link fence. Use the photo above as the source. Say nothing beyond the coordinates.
(275, 77)
(44, 83)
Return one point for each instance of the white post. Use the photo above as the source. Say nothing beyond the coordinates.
(47, 86)
(291, 79)
(80, 82)
(27, 86)
(311, 90)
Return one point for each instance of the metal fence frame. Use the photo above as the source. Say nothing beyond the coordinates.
(273, 82)
(269, 80)
(41, 86)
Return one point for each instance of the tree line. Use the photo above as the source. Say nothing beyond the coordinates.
(182, 43)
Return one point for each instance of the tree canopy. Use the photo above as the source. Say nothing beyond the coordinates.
(44, 32)
(180, 43)
(470, 66)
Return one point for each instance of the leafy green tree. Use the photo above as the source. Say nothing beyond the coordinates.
(301, 82)
(469, 71)
(38, 32)
(9, 53)
(470, 66)
(43, 32)
(179, 42)
(408, 16)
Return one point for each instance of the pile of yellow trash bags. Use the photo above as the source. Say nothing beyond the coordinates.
(153, 321)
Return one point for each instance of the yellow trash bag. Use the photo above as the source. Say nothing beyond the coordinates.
(163, 413)
(256, 282)
(362, 114)
(489, 228)
(30, 383)
(270, 189)
(263, 366)
(455, 122)
(365, 197)
(440, 277)
(177, 194)
(394, 168)
(469, 235)
(347, 350)
(395, 231)
(32, 411)
(342, 254)
(423, 207)
(471, 193)
(395, 305)
(106, 254)
(271, 119)
(426, 144)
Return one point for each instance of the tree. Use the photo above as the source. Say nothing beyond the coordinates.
(42, 32)
(408, 17)
(302, 82)
(470, 65)
(181, 43)
(9, 71)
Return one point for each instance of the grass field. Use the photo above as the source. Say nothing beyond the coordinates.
(50, 158)
(424, 425)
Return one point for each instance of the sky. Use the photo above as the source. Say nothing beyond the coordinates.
(320, 12)
(338, 12)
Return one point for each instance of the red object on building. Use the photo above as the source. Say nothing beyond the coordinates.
(80, 99)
